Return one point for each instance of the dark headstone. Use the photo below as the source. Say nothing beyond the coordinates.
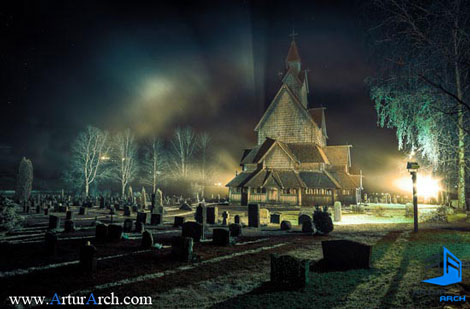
(88, 259)
(141, 217)
(112, 210)
(212, 214)
(225, 217)
(303, 218)
(147, 240)
(54, 222)
(139, 227)
(50, 243)
(38, 209)
(127, 211)
(193, 230)
(185, 206)
(135, 208)
(286, 225)
(69, 226)
(288, 272)
(46, 211)
(155, 219)
(101, 232)
(114, 232)
(83, 211)
(253, 215)
(235, 229)
(182, 248)
(128, 223)
(199, 215)
(346, 254)
(178, 221)
(307, 227)
(275, 218)
(221, 237)
(69, 215)
(236, 219)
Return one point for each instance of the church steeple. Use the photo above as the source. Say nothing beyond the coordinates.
(293, 58)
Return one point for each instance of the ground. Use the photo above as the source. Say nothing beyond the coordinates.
(237, 275)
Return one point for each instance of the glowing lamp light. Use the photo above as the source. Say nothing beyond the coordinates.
(427, 185)
(104, 158)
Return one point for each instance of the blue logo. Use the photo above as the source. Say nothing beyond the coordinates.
(452, 270)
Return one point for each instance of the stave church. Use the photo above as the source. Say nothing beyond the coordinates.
(292, 163)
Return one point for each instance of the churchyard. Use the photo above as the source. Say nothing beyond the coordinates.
(187, 254)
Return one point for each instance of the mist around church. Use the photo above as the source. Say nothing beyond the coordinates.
(311, 154)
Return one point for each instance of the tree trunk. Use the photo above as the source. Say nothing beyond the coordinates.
(123, 189)
(87, 189)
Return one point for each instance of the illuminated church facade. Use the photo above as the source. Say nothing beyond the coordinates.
(292, 163)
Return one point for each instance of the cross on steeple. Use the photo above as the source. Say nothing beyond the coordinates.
(293, 34)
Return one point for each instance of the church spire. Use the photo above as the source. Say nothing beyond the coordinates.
(293, 58)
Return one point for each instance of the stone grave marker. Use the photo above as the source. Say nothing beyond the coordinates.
(127, 211)
(193, 230)
(128, 224)
(236, 219)
(182, 248)
(253, 215)
(141, 217)
(101, 232)
(337, 211)
(69, 215)
(82, 211)
(178, 221)
(147, 240)
(69, 226)
(54, 222)
(88, 259)
(286, 225)
(212, 214)
(114, 232)
(288, 272)
(220, 237)
(235, 229)
(225, 217)
(139, 227)
(155, 219)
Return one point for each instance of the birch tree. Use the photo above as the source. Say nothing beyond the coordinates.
(89, 154)
(204, 143)
(421, 88)
(154, 162)
(183, 148)
(124, 158)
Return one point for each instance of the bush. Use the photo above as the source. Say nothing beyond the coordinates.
(378, 211)
(358, 209)
(9, 219)
(322, 220)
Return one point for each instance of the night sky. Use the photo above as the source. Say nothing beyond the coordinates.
(152, 67)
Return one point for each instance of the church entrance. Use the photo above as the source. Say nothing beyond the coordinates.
(273, 195)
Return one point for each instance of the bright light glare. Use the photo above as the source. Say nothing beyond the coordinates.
(427, 186)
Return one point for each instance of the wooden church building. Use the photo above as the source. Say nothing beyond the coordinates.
(292, 163)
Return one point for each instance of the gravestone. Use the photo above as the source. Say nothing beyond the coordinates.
(264, 216)
(114, 232)
(220, 237)
(127, 211)
(178, 221)
(141, 217)
(82, 211)
(88, 259)
(112, 210)
(182, 248)
(235, 229)
(101, 232)
(253, 215)
(147, 240)
(69, 226)
(144, 198)
(346, 254)
(185, 206)
(307, 227)
(236, 219)
(337, 211)
(155, 219)
(38, 209)
(286, 225)
(139, 227)
(193, 230)
(200, 213)
(275, 218)
(50, 243)
(69, 215)
(128, 223)
(135, 208)
(211, 214)
(46, 211)
(102, 204)
(288, 272)
(54, 222)
(225, 217)
(304, 217)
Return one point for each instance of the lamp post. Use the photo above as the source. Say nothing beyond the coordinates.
(413, 169)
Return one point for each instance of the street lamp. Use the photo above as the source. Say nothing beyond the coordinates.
(413, 169)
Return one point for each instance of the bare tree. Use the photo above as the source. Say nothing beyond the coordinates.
(89, 154)
(124, 158)
(24, 180)
(154, 162)
(183, 147)
(204, 143)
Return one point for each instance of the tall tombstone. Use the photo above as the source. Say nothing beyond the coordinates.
(114, 232)
(82, 211)
(236, 219)
(147, 240)
(88, 258)
(337, 211)
(69, 226)
(141, 217)
(182, 248)
(199, 215)
(193, 230)
(212, 213)
(225, 217)
(159, 198)
(101, 232)
(178, 221)
(253, 215)
(54, 222)
(69, 215)
(155, 219)
(144, 198)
